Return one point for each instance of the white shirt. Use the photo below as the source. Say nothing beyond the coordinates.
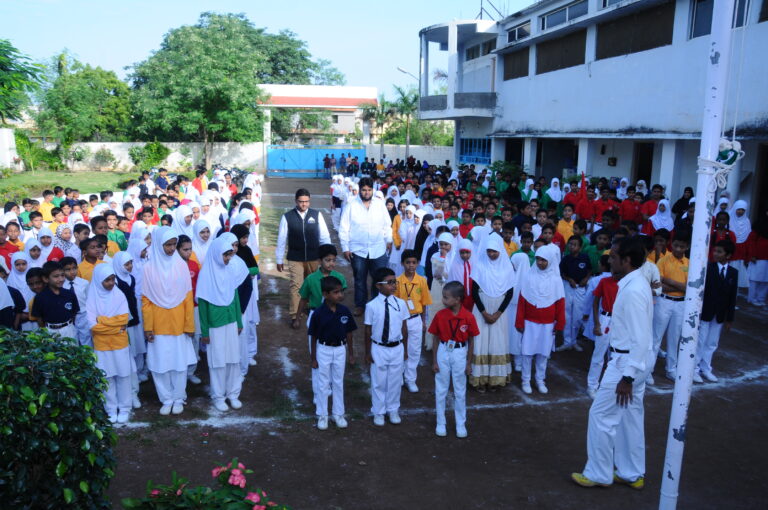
(365, 231)
(652, 275)
(722, 269)
(81, 290)
(631, 322)
(282, 234)
(590, 298)
(374, 317)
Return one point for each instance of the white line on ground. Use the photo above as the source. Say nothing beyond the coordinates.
(289, 367)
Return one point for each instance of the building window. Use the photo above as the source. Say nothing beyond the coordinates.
(522, 31)
(335, 119)
(516, 64)
(568, 13)
(475, 150)
(740, 13)
(701, 17)
(635, 32)
(472, 53)
(487, 47)
(566, 51)
(763, 12)
(608, 3)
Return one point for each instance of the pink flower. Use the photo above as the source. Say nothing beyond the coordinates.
(236, 472)
(271, 503)
(155, 493)
(237, 480)
(253, 497)
(217, 471)
(259, 507)
(239, 465)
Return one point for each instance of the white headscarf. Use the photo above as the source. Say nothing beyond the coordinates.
(198, 246)
(119, 261)
(179, 226)
(556, 194)
(74, 219)
(741, 226)
(45, 251)
(723, 200)
(521, 263)
(39, 261)
(494, 277)
(479, 234)
(136, 245)
(447, 237)
(533, 192)
(102, 302)
(621, 191)
(641, 188)
(166, 281)
(18, 279)
(5, 295)
(9, 217)
(544, 288)
(663, 219)
(218, 282)
(461, 270)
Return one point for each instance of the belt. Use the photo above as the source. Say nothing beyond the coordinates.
(607, 314)
(330, 344)
(673, 298)
(452, 344)
(619, 351)
(387, 344)
(413, 316)
(59, 325)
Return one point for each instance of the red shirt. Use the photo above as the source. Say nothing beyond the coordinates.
(649, 208)
(553, 313)
(55, 255)
(606, 291)
(716, 236)
(629, 210)
(585, 210)
(757, 247)
(6, 250)
(194, 272)
(447, 326)
(559, 241)
(464, 230)
(601, 206)
(571, 198)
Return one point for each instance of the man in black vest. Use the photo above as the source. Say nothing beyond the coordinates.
(304, 230)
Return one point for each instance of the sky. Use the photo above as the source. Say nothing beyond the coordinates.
(365, 39)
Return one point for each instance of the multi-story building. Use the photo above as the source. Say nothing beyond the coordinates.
(612, 88)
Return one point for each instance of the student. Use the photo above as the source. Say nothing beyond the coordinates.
(184, 248)
(720, 231)
(596, 251)
(460, 271)
(453, 329)
(249, 299)
(526, 246)
(221, 319)
(413, 290)
(34, 251)
(660, 243)
(122, 265)
(466, 223)
(48, 252)
(437, 269)
(565, 225)
(99, 226)
(91, 251)
(668, 315)
(6, 247)
(720, 291)
(35, 285)
(12, 302)
(113, 233)
(55, 307)
(604, 296)
(508, 234)
(80, 287)
(330, 330)
(169, 324)
(540, 316)
(47, 206)
(757, 257)
(521, 266)
(492, 280)
(386, 347)
(63, 241)
(575, 269)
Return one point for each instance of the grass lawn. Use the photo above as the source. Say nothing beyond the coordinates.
(33, 183)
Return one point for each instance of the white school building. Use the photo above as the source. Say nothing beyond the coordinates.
(612, 88)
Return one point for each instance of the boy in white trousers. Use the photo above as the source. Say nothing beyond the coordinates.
(454, 329)
(330, 331)
(668, 314)
(413, 289)
(602, 309)
(386, 347)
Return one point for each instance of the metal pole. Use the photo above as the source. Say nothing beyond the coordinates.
(714, 106)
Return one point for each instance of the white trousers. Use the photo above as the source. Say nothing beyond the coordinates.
(668, 319)
(171, 386)
(415, 327)
(328, 379)
(598, 355)
(615, 435)
(541, 367)
(758, 291)
(83, 331)
(386, 378)
(195, 344)
(66, 332)
(709, 337)
(574, 304)
(118, 396)
(453, 366)
(226, 382)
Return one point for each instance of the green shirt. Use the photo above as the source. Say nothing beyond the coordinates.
(58, 200)
(24, 219)
(531, 255)
(310, 289)
(212, 316)
(118, 237)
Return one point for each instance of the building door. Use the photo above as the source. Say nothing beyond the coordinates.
(513, 151)
(642, 162)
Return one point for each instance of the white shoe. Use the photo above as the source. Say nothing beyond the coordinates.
(143, 378)
(394, 418)
(235, 403)
(220, 405)
(340, 421)
(194, 379)
(123, 416)
(518, 368)
(662, 354)
(113, 418)
(322, 423)
(252, 362)
(709, 376)
(378, 420)
(649, 380)
(136, 402)
(591, 393)
(166, 409)
(412, 387)
(177, 408)
(527, 388)
(577, 347)
(697, 378)
(542, 387)
(461, 431)
(440, 431)
(564, 347)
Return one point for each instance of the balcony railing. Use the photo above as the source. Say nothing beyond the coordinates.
(431, 103)
(461, 100)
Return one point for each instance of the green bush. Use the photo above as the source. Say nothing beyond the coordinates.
(151, 155)
(104, 157)
(55, 438)
(35, 156)
(13, 193)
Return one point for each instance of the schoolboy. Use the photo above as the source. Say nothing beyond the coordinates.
(413, 289)
(35, 224)
(565, 225)
(311, 291)
(720, 291)
(58, 196)
(99, 226)
(597, 250)
(668, 315)
(6, 247)
(453, 329)
(575, 269)
(660, 242)
(386, 347)
(466, 223)
(55, 307)
(604, 296)
(508, 234)
(330, 330)
(36, 284)
(47, 206)
(479, 219)
(91, 252)
(526, 244)
(80, 287)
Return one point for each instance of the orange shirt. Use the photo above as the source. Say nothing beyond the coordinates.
(415, 293)
(675, 269)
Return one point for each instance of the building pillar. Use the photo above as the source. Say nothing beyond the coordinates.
(7, 148)
(530, 148)
(670, 167)
(498, 149)
(680, 24)
(532, 60)
(424, 67)
(591, 44)
(586, 155)
(456, 143)
(454, 64)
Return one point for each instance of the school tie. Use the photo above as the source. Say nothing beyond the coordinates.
(72, 286)
(722, 273)
(385, 329)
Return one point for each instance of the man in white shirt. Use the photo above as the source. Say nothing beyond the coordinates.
(365, 232)
(303, 230)
(615, 435)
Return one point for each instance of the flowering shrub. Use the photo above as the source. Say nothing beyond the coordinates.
(233, 493)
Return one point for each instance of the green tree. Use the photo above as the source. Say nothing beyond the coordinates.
(18, 77)
(202, 83)
(324, 73)
(379, 115)
(84, 103)
(406, 105)
(423, 132)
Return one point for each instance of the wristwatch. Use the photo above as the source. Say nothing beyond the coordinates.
(627, 379)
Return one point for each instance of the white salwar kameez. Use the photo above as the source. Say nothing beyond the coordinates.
(168, 358)
(490, 363)
(224, 362)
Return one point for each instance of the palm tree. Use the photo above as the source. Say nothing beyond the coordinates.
(407, 104)
(379, 115)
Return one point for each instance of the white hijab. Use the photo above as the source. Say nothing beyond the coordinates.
(522, 266)
(39, 261)
(529, 189)
(179, 225)
(136, 245)
(119, 261)
(741, 226)
(5, 295)
(641, 188)
(166, 281)
(556, 194)
(45, 251)
(18, 279)
(494, 277)
(103, 302)
(218, 282)
(621, 191)
(544, 288)
(663, 219)
(198, 246)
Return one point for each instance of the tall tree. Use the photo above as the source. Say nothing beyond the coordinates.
(202, 82)
(379, 115)
(406, 105)
(18, 77)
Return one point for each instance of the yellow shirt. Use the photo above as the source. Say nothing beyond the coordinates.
(45, 209)
(511, 248)
(675, 269)
(652, 257)
(164, 321)
(107, 335)
(112, 248)
(396, 239)
(415, 293)
(565, 229)
(18, 244)
(85, 269)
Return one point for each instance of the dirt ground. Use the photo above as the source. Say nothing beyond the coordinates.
(520, 451)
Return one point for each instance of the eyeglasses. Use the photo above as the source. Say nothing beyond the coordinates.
(387, 282)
